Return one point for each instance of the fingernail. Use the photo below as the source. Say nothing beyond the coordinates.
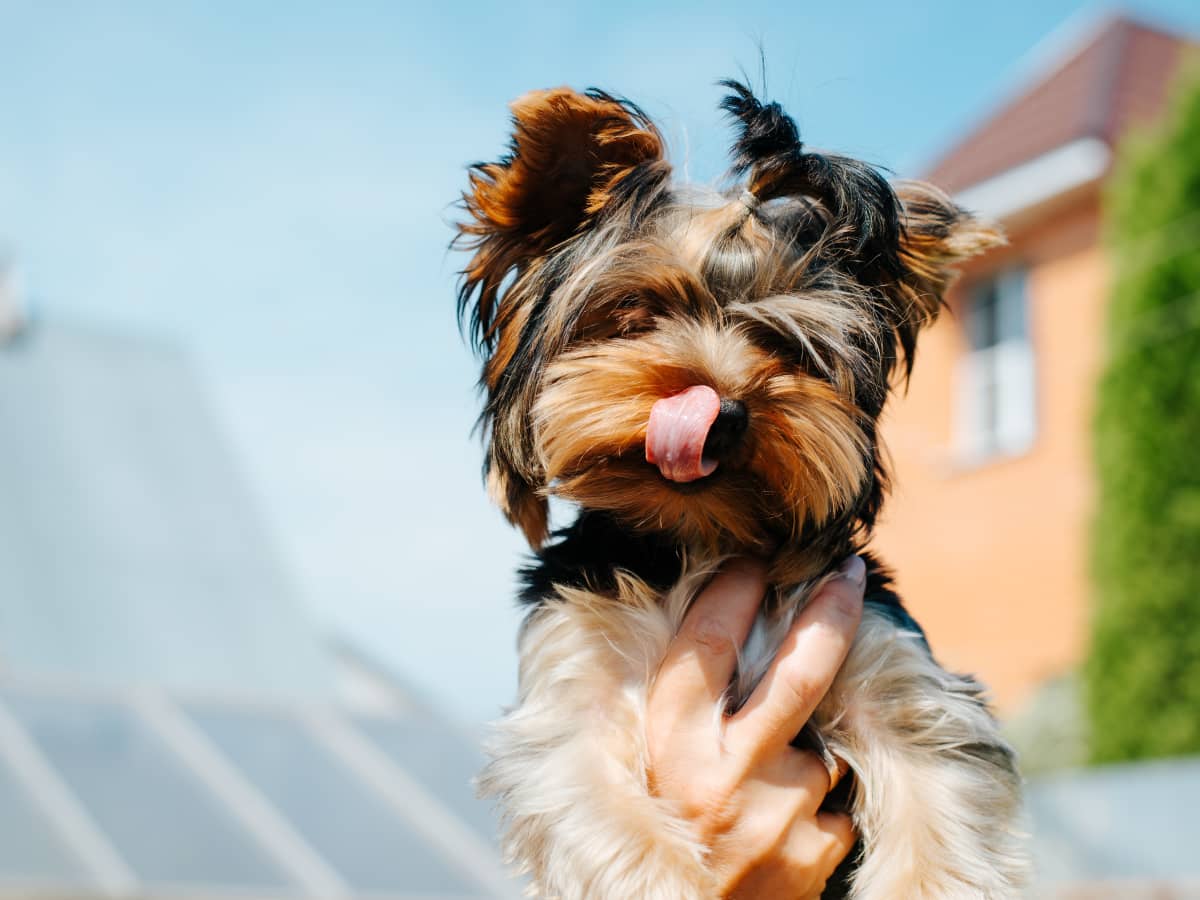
(854, 570)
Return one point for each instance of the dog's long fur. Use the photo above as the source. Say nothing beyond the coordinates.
(597, 287)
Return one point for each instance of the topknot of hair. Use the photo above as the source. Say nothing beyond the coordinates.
(765, 132)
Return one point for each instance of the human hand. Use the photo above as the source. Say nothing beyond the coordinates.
(751, 798)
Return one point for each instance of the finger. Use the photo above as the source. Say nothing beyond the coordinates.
(802, 775)
(810, 853)
(838, 832)
(805, 667)
(702, 657)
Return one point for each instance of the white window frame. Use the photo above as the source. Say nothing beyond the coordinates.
(996, 383)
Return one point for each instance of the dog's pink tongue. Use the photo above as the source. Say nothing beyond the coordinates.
(677, 431)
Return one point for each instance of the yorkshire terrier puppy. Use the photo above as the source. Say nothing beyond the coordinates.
(702, 373)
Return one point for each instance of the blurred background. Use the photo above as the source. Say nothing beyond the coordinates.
(254, 606)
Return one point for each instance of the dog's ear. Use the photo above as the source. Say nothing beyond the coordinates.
(573, 158)
(569, 155)
(519, 500)
(937, 234)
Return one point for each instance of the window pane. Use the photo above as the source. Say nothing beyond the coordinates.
(971, 428)
(981, 316)
(29, 848)
(157, 815)
(340, 816)
(443, 761)
(996, 390)
(989, 400)
(1011, 321)
(1016, 421)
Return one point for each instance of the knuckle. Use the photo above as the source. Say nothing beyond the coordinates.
(805, 857)
(808, 853)
(802, 690)
(844, 839)
(842, 606)
(705, 799)
(763, 838)
(761, 835)
(839, 837)
(836, 848)
(711, 821)
(710, 634)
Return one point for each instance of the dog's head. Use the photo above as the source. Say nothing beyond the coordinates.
(707, 364)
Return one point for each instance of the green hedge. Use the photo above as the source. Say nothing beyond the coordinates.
(1143, 673)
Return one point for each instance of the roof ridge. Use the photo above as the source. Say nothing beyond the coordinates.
(1047, 56)
(1112, 44)
(1084, 79)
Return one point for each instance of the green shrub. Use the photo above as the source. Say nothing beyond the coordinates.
(1143, 673)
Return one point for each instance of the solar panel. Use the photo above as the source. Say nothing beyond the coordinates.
(351, 827)
(30, 850)
(441, 759)
(162, 821)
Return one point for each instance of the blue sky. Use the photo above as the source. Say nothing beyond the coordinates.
(269, 185)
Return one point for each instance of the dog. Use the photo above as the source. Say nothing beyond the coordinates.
(701, 373)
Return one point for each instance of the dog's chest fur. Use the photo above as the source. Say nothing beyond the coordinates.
(589, 554)
(569, 763)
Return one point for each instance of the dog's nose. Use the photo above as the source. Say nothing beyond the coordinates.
(727, 429)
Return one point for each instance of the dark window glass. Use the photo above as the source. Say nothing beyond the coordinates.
(982, 316)
(996, 311)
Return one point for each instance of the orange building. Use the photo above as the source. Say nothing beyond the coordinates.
(988, 524)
